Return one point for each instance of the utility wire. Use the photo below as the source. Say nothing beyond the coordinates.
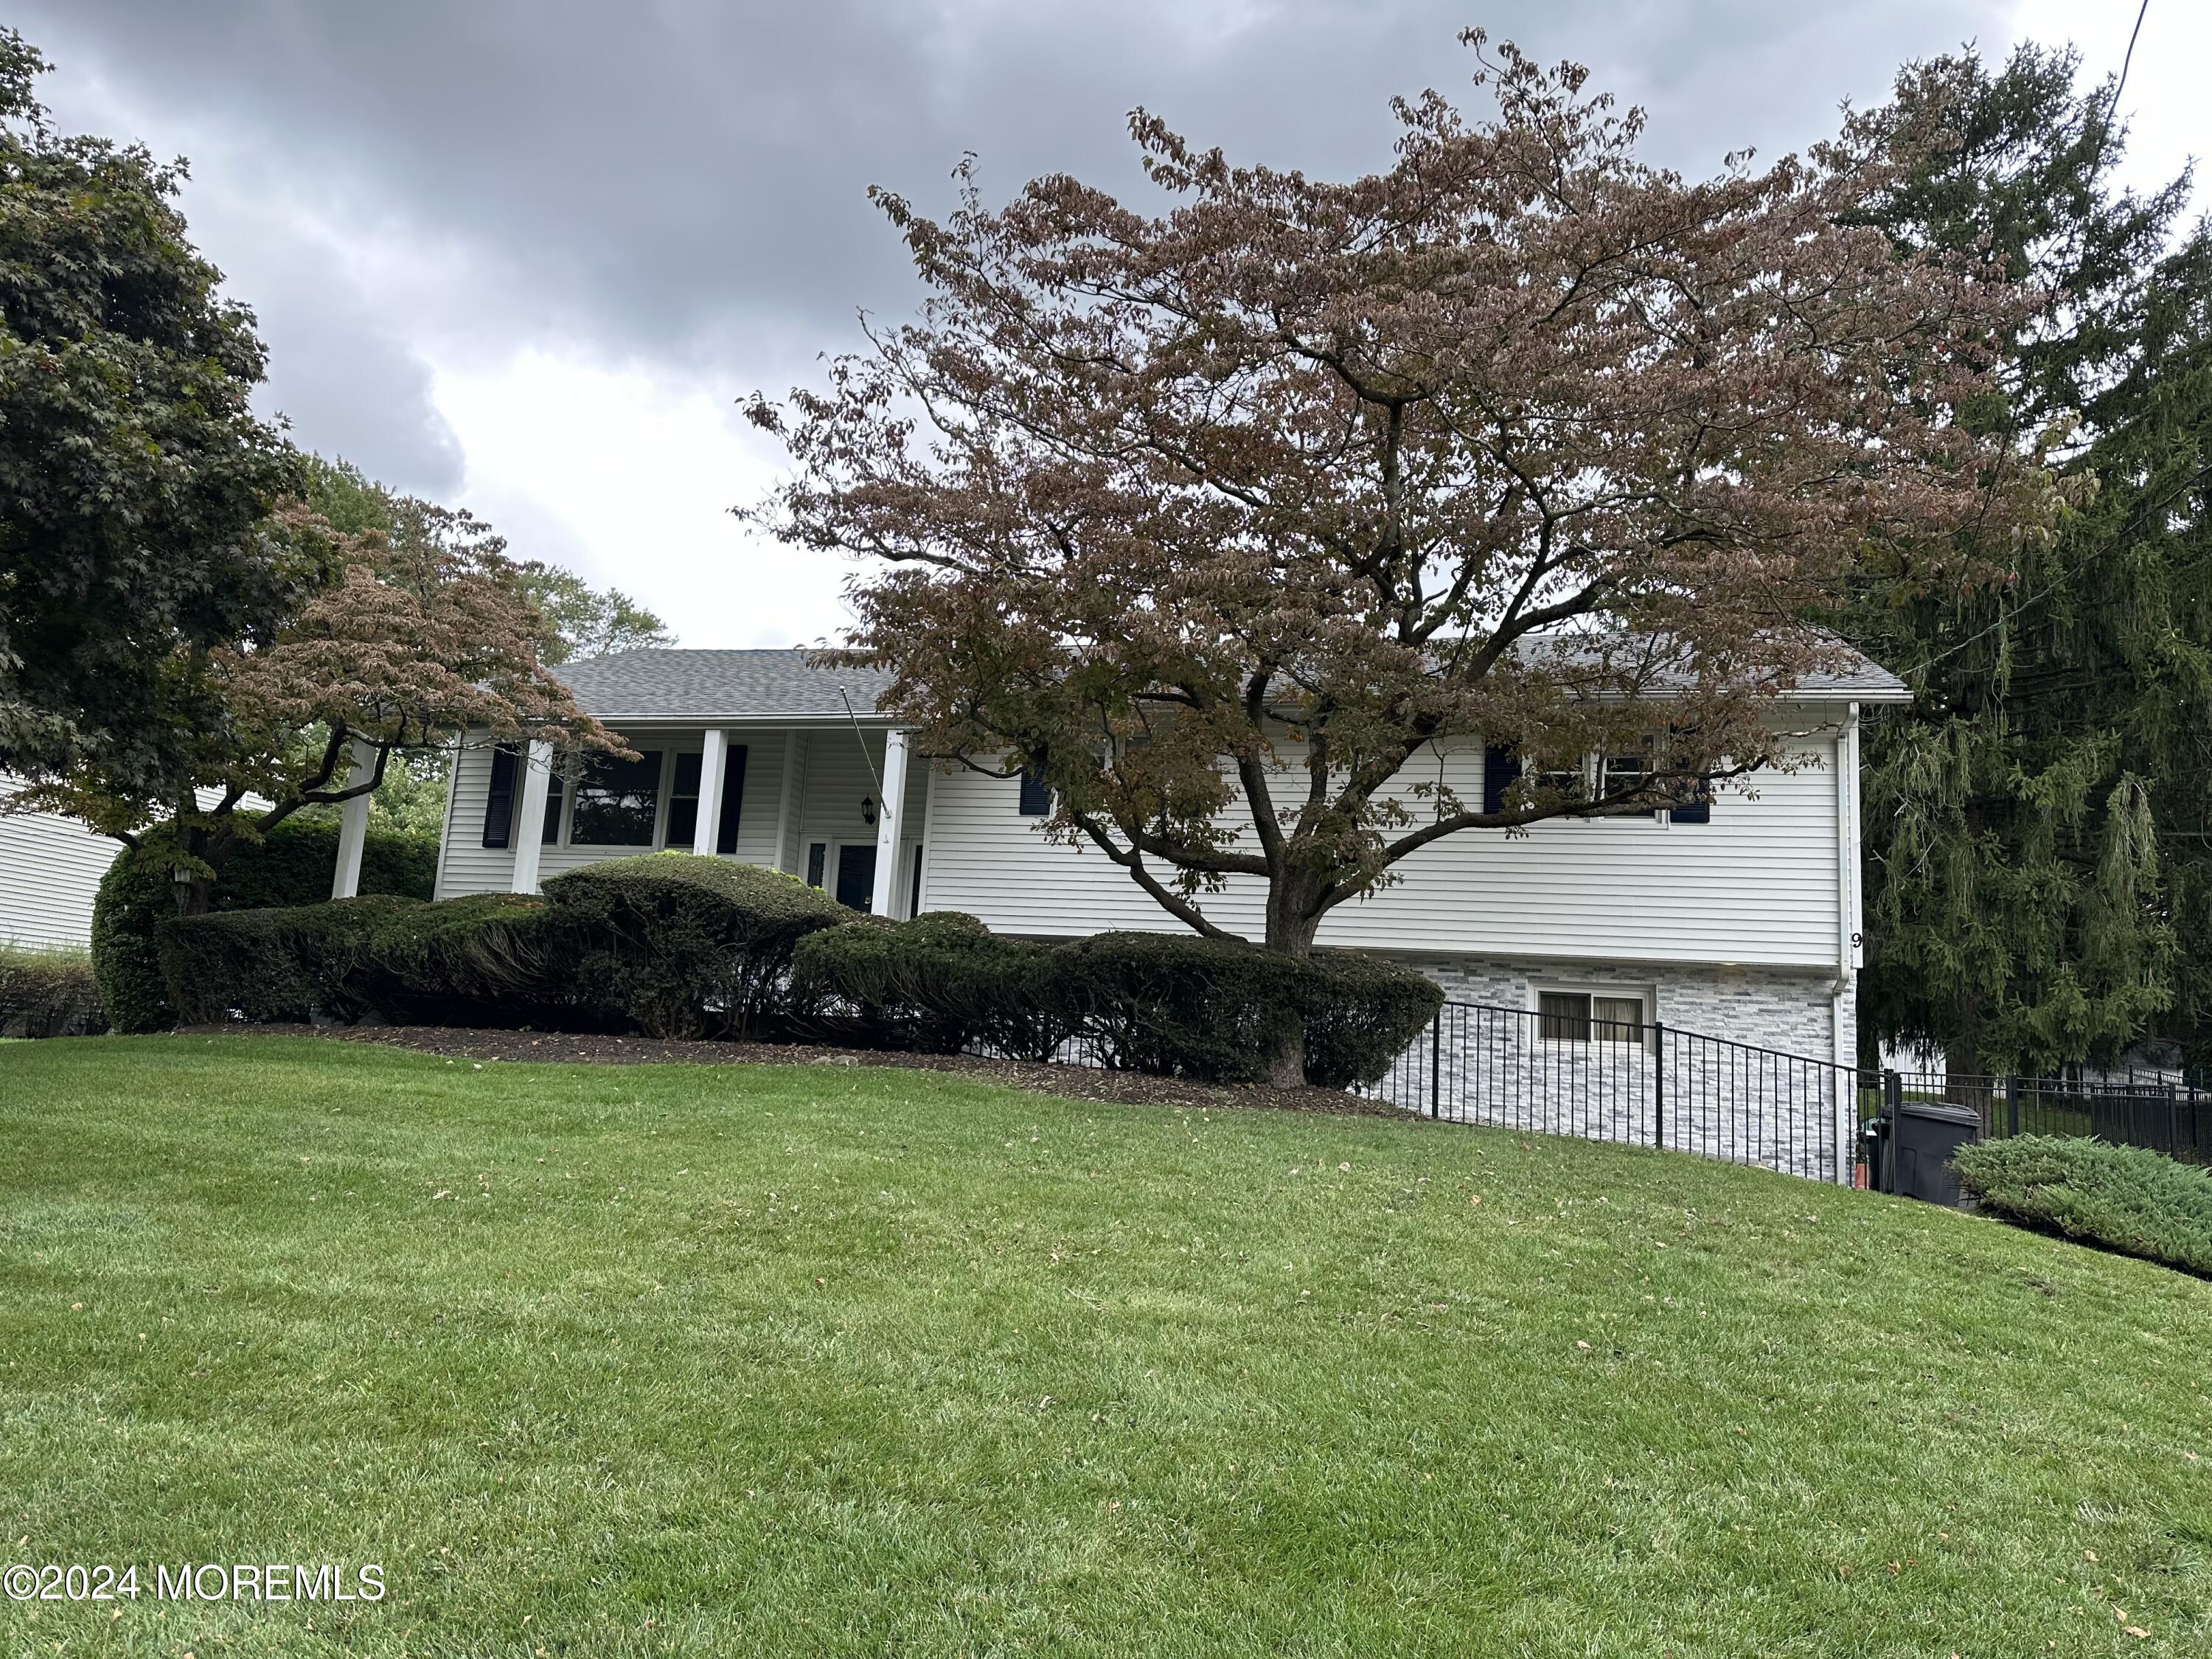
(2112, 107)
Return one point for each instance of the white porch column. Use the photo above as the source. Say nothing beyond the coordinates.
(529, 822)
(713, 762)
(887, 812)
(787, 803)
(353, 825)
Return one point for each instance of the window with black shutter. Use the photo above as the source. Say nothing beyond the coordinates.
(734, 799)
(1501, 770)
(499, 797)
(1036, 795)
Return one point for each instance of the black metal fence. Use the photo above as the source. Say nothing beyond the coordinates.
(1646, 1085)
(2159, 1110)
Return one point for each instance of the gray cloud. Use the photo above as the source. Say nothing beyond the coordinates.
(684, 183)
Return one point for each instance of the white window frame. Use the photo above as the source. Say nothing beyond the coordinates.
(1645, 992)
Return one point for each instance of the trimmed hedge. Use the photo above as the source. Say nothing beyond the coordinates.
(291, 866)
(682, 946)
(477, 961)
(1209, 1010)
(2126, 1199)
(933, 985)
(678, 946)
(1361, 1013)
(49, 993)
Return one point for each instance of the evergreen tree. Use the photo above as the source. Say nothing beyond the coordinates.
(2039, 822)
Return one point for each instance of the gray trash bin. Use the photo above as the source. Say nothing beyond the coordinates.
(1922, 1139)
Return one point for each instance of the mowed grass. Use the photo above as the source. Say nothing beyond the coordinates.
(813, 1360)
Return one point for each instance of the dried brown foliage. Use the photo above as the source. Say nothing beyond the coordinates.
(1218, 515)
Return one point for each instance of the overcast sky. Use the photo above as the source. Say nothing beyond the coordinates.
(523, 256)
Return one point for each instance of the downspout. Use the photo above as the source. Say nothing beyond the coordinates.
(1848, 948)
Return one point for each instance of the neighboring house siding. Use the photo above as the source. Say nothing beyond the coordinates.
(1756, 885)
(50, 870)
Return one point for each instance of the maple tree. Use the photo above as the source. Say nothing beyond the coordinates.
(398, 639)
(1216, 516)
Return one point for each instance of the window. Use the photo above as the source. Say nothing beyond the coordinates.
(556, 786)
(616, 803)
(817, 856)
(1036, 795)
(1621, 773)
(1501, 770)
(1586, 1017)
(499, 797)
(1568, 783)
(1562, 1016)
(683, 801)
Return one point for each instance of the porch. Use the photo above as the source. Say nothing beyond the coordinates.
(832, 801)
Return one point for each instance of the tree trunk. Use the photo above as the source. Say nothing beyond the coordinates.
(1293, 918)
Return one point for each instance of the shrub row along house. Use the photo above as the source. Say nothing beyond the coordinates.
(1739, 917)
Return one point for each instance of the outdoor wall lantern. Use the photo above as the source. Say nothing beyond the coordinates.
(868, 809)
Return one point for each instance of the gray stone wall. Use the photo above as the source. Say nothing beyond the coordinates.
(1789, 1109)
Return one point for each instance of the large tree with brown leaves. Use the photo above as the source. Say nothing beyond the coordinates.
(1215, 515)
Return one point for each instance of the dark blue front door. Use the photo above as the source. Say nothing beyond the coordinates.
(856, 876)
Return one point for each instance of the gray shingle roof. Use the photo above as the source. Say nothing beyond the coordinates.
(730, 684)
(785, 685)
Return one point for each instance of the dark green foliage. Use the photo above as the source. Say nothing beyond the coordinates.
(1216, 1011)
(292, 865)
(673, 945)
(134, 474)
(474, 961)
(1210, 1010)
(49, 993)
(298, 964)
(682, 946)
(2120, 1198)
(485, 959)
(1361, 1012)
(936, 984)
(2036, 859)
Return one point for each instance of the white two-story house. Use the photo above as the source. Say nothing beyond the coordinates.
(1741, 920)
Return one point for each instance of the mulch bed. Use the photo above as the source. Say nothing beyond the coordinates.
(563, 1048)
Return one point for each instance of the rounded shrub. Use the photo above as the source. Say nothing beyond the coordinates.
(682, 946)
(937, 984)
(1361, 1013)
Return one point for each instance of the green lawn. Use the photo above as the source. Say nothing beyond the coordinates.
(660, 1360)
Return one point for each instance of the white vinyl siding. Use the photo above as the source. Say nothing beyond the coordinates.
(50, 870)
(1758, 884)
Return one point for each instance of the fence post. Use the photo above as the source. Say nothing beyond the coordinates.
(2012, 1107)
(1436, 1063)
(1659, 1085)
(1892, 1105)
(2173, 1122)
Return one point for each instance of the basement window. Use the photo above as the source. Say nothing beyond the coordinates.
(1589, 1017)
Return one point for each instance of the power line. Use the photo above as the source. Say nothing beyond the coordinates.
(2112, 107)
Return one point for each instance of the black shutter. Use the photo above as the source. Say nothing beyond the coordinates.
(1501, 770)
(1036, 795)
(733, 797)
(499, 800)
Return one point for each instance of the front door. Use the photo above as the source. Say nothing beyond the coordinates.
(856, 876)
